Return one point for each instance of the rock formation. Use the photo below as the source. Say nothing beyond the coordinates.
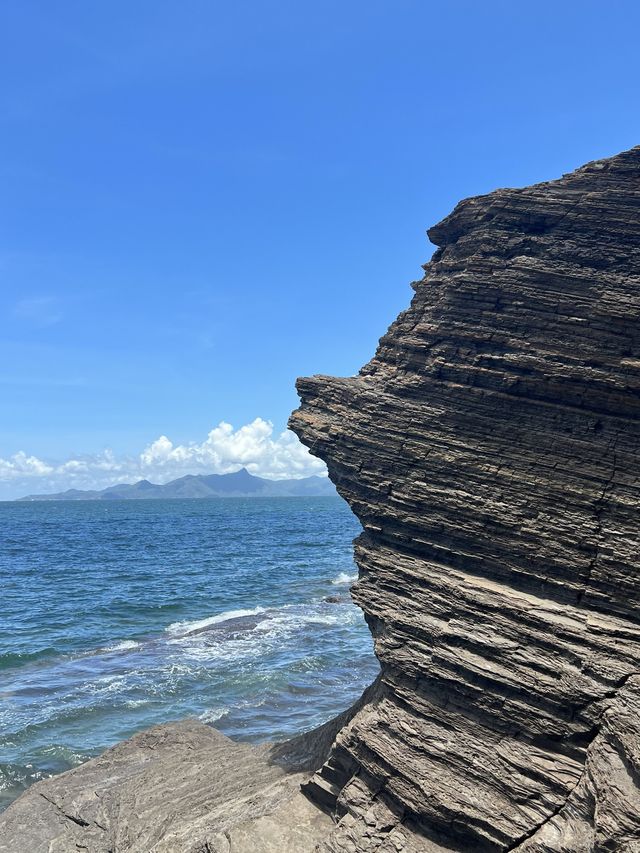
(177, 788)
(490, 450)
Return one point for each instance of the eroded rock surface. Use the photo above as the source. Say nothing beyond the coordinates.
(490, 450)
(177, 788)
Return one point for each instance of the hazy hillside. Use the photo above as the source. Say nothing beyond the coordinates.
(240, 484)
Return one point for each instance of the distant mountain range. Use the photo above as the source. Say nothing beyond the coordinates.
(240, 484)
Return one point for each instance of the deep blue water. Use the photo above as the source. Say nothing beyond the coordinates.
(116, 616)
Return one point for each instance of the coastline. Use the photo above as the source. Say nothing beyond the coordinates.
(224, 796)
(164, 790)
(113, 625)
(490, 451)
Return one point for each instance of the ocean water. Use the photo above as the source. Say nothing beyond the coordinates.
(119, 615)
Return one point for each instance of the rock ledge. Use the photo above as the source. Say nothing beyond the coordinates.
(176, 788)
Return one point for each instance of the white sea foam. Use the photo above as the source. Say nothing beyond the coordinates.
(252, 641)
(212, 715)
(107, 684)
(344, 578)
(199, 624)
(124, 646)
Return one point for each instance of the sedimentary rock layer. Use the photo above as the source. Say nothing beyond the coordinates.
(490, 450)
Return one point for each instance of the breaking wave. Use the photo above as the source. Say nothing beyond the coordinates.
(344, 578)
(201, 624)
(222, 610)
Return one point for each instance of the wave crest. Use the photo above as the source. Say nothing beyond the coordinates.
(189, 627)
(344, 578)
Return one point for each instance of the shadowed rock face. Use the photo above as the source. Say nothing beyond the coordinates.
(490, 450)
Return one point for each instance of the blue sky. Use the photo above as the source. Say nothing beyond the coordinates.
(201, 201)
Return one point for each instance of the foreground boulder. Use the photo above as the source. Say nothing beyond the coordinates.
(177, 788)
(491, 452)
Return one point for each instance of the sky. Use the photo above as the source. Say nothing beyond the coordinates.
(201, 201)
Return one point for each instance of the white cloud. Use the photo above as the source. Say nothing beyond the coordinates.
(225, 449)
(21, 465)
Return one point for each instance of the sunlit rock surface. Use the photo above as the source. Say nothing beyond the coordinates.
(490, 450)
(176, 788)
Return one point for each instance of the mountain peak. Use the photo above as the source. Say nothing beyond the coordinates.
(242, 472)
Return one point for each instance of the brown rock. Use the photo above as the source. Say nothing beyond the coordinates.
(177, 788)
(490, 450)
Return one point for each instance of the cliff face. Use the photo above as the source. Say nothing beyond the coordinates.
(490, 450)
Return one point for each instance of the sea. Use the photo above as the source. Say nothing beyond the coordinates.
(118, 615)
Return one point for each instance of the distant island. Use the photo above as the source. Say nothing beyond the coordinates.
(240, 484)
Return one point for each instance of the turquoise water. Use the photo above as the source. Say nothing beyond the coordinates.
(116, 616)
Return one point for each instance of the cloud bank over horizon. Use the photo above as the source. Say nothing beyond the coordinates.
(225, 449)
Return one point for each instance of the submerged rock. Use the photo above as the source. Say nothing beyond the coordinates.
(490, 450)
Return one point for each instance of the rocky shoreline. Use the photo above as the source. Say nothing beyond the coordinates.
(176, 787)
(490, 451)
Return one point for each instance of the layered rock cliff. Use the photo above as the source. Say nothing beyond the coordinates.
(490, 450)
